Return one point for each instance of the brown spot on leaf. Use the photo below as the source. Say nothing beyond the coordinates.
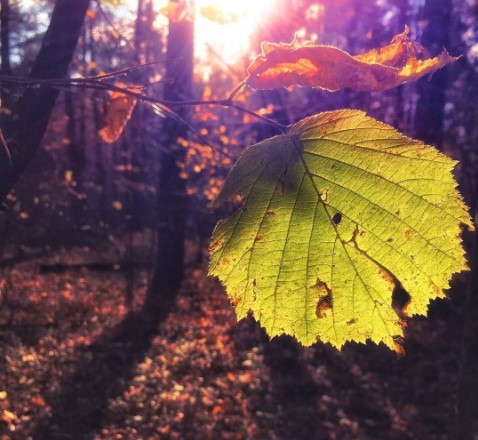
(387, 276)
(357, 233)
(324, 304)
(325, 298)
(237, 301)
(259, 239)
(351, 321)
(270, 213)
(224, 262)
(215, 245)
(322, 288)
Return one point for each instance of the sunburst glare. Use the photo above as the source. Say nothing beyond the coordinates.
(225, 27)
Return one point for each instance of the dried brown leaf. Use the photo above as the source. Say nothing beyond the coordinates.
(119, 109)
(330, 68)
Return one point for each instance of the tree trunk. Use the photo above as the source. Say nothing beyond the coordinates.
(466, 420)
(432, 89)
(31, 115)
(467, 397)
(5, 37)
(171, 196)
(5, 69)
(76, 147)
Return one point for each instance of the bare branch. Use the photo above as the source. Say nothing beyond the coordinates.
(98, 84)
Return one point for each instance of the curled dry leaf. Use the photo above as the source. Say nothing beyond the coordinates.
(330, 68)
(119, 109)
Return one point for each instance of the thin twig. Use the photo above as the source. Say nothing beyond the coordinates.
(5, 146)
(124, 71)
(235, 91)
(112, 25)
(93, 83)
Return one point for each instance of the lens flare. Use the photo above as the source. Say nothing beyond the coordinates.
(225, 27)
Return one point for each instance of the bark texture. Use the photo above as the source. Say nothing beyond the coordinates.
(32, 111)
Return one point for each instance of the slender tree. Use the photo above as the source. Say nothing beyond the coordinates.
(5, 69)
(436, 14)
(5, 37)
(32, 111)
(171, 196)
(466, 426)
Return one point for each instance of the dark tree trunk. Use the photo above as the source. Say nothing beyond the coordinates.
(171, 197)
(76, 158)
(466, 427)
(5, 37)
(76, 150)
(5, 69)
(33, 110)
(432, 89)
(466, 421)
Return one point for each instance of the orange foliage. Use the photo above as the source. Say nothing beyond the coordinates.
(329, 68)
(91, 14)
(119, 109)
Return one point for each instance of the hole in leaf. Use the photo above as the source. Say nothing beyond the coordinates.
(400, 298)
(337, 218)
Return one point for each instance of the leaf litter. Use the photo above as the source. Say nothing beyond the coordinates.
(205, 377)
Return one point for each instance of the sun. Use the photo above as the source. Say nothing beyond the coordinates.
(222, 27)
(226, 26)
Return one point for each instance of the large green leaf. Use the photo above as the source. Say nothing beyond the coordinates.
(336, 214)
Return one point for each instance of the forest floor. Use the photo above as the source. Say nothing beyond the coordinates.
(75, 364)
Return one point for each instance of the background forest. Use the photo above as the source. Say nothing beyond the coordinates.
(109, 326)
